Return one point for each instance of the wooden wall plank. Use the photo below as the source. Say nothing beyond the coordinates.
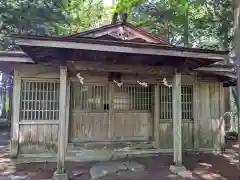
(211, 111)
(131, 126)
(87, 126)
(38, 138)
(216, 113)
(205, 129)
(166, 135)
(187, 135)
(94, 126)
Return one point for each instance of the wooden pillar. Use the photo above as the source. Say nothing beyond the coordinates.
(156, 116)
(221, 138)
(196, 114)
(16, 114)
(177, 119)
(67, 113)
(63, 110)
(110, 110)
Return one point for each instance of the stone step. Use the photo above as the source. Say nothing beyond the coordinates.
(104, 155)
(110, 145)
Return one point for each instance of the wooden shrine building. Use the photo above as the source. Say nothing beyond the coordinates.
(112, 92)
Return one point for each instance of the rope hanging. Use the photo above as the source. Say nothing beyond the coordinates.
(119, 84)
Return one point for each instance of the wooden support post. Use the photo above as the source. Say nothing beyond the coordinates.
(196, 114)
(60, 173)
(16, 113)
(177, 119)
(221, 136)
(110, 110)
(156, 116)
(67, 113)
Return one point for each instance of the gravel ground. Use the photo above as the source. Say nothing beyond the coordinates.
(203, 166)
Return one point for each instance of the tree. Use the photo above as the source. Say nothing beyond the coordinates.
(236, 50)
(195, 23)
(127, 6)
(29, 16)
(85, 15)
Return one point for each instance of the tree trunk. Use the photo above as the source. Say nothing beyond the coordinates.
(236, 50)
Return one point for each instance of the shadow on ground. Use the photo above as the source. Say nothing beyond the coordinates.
(204, 167)
(216, 167)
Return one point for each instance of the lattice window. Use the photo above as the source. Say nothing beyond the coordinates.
(89, 97)
(40, 100)
(133, 97)
(166, 102)
(187, 102)
(165, 95)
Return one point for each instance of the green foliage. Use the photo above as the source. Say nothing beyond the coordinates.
(53, 17)
(195, 23)
(87, 14)
(127, 6)
(29, 17)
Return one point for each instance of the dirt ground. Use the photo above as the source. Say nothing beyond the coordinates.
(203, 166)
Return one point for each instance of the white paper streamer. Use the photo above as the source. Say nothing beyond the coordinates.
(80, 78)
(119, 84)
(144, 84)
(166, 83)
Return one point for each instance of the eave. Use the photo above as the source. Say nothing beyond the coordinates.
(188, 57)
(225, 73)
(216, 69)
(116, 46)
(15, 57)
(9, 59)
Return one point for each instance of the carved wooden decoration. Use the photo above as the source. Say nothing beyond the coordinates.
(122, 33)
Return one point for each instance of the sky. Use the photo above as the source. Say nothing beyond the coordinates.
(108, 2)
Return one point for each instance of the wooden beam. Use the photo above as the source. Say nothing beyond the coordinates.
(96, 66)
(156, 115)
(111, 47)
(177, 119)
(62, 121)
(16, 114)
